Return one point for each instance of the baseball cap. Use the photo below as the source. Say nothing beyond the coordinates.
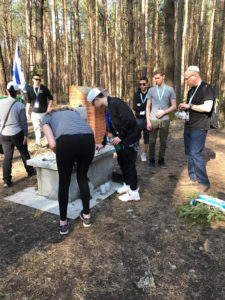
(93, 93)
(13, 84)
(193, 68)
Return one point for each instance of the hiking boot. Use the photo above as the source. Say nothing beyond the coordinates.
(64, 229)
(143, 157)
(7, 183)
(162, 163)
(151, 164)
(130, 196)
(86, 221)
(122, 189)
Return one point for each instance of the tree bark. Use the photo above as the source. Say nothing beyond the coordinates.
(131, 59)
(28, 39)
(77, 41)
(155, 48)
(209, 56)
(97, 44)
(179, 50)
(7, 37)
(169, 10)
(3, 80)
(39, 37)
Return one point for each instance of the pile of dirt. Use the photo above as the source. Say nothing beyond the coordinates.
(139, 250)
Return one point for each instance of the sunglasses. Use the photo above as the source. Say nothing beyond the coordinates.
(188, 77)
(37, 79)
(140, 84)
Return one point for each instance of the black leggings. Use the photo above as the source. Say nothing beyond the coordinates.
(79, 148)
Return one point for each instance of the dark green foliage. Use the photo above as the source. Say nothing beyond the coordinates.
(199, 214)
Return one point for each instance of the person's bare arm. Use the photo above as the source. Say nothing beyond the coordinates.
(148, 107)
(50, 137)
(206, 107)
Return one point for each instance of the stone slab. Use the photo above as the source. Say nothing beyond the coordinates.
(30, 197)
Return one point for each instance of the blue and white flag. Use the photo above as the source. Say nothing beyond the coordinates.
(18, 75)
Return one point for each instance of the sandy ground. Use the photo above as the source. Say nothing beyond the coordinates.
(126, 240)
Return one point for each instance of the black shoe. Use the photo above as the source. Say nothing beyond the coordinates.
(32, 173)
(64, 229)
(162, 163)
(86, 221)
(7, 183)
(151, 164)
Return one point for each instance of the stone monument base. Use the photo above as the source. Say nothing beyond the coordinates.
(99, 173)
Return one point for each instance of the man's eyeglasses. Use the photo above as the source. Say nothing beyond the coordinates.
(37, 79)
(188, 77)
(140, 84)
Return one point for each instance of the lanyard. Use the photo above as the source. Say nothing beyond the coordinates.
(38, 91)
(193, 94)
(145, 98)
(160, 97)
(107, 116)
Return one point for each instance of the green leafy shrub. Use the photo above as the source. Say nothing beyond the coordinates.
(199, 214)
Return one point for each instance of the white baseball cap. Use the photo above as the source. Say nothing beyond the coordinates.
(193, 68)
(13, 84)
(93, 93)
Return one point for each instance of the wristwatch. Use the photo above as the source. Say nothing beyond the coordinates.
(191, 105)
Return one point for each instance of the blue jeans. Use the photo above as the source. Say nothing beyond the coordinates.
(194, 142)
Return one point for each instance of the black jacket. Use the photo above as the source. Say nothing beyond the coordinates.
(136, 101)
(122, 122)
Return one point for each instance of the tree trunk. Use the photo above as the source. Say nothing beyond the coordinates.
(28, 39)
(210, 48)
(219, 48)
(184, 46)
(155, 48)
(77, 41)
(97, 44)
(179, 50)
(169, 10)
(106, 37)
(131, 59)
(7, 37)
(39, 37)
(143, 36)
(3, 80)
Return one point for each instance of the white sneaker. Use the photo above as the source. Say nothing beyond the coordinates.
(130, 195)
(123, 189)
(143, 156)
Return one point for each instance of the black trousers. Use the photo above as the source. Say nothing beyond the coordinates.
(79, 148)
(8, 145)
(126, 159)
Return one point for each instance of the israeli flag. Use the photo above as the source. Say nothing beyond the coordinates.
(18, 75)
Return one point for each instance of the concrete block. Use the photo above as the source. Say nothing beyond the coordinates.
(99, 173)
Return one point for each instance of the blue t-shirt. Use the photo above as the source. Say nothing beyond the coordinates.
(161, 99)
(66, 122)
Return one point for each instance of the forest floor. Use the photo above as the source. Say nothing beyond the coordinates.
(126, 241)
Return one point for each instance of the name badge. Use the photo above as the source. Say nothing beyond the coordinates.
(187, 117)
(36, 103)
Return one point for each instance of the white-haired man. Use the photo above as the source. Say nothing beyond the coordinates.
(200, 100)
